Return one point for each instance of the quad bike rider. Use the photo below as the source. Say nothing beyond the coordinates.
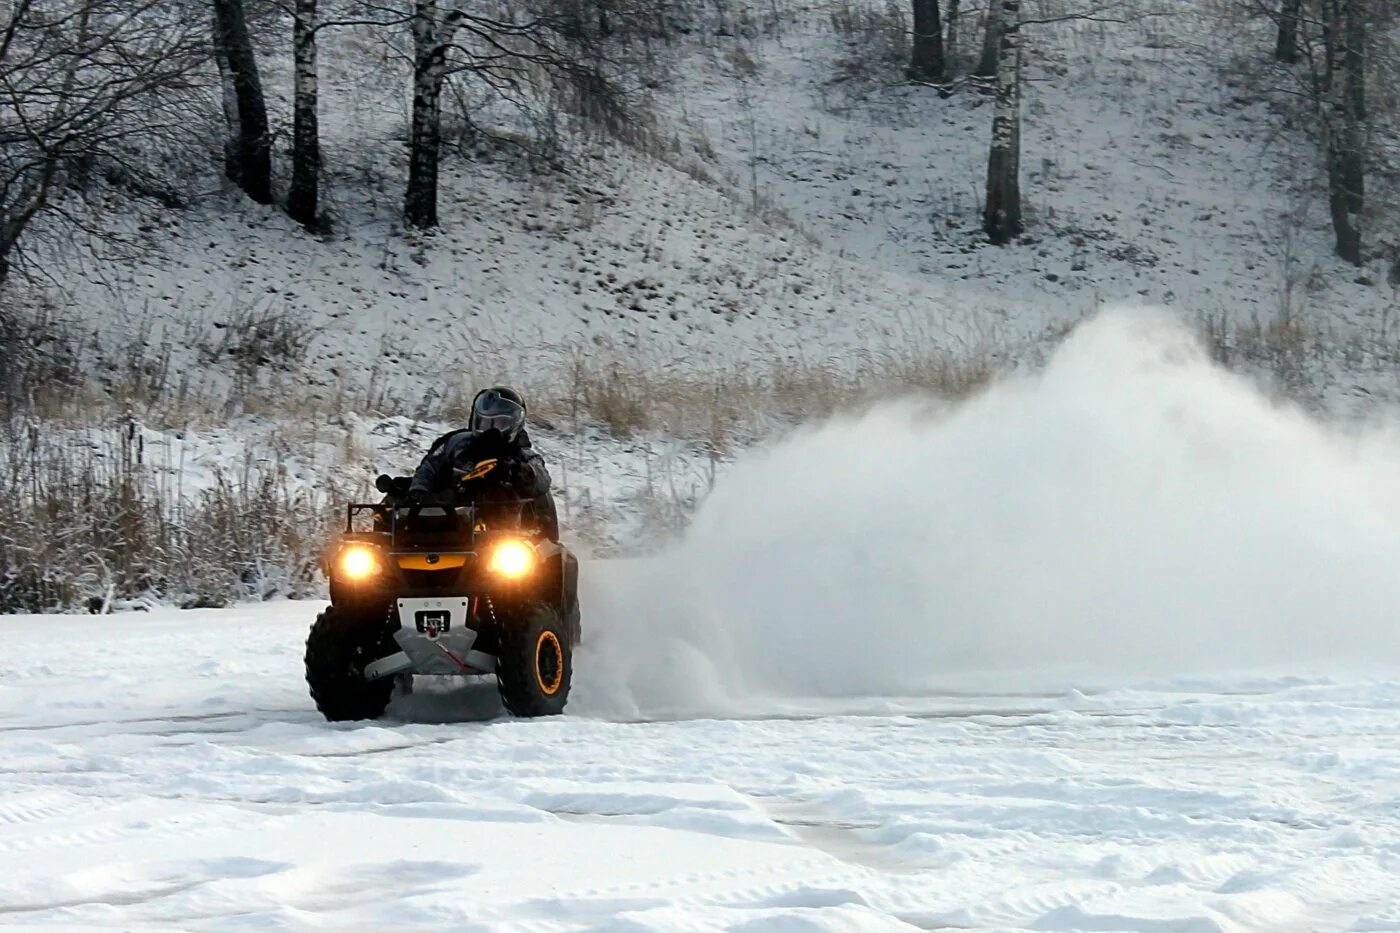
(460, 572)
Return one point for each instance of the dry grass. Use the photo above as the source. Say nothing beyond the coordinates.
(1281, 346)
(877, 41)
(730, 405)
(253, 338)
(1302, 357)
(91, 523)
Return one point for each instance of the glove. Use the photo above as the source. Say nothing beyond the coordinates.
(515, 473)
(396, 487)
(489, 445)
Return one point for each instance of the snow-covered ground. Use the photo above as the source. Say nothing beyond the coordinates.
(169, 770)
(1107, 648)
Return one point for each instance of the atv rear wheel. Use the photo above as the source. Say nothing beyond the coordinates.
(339, 647)
(535, 664)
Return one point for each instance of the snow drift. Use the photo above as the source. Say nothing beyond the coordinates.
(1133, 509)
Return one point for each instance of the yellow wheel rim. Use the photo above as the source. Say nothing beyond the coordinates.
(549, 663)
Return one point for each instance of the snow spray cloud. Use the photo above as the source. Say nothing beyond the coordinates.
(1132, 510)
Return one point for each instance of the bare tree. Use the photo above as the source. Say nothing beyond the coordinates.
(991, 42)
(1286, 48)
(303, 197)
(1357, 39)
(1346, 48)
(248, 153)
(79, 81)
(501, 52)
(926, 61)
(433, 31)
(1344, 37)
(950, 46)
(1001, 219)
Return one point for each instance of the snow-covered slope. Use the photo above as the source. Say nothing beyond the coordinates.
(797, 236)
(798, 203)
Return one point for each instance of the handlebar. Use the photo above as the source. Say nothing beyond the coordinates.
(401, 516)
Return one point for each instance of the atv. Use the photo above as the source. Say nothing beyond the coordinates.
(443, 589)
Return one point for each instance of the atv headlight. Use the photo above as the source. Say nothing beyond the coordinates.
(512, 559)
(358, 562)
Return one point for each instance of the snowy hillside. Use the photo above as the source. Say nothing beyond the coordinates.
(795, 231)
(798, 204)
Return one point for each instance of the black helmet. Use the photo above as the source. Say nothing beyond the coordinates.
(499, 408)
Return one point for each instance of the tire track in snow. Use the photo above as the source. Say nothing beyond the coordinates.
(255, 717)
(808, 824)
(35, 807)
(96, 820)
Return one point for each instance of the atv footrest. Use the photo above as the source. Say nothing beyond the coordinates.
(388, 667)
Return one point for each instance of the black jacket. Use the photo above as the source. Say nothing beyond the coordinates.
(520, 471)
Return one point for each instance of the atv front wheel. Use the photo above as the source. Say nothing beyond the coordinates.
(535, 665)
(338, 649)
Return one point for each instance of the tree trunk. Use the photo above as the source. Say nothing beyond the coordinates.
(1354, 68)
(991, 42)
(233, 170)
(252, 144)
(1344, 224)
(950, 46)
(425, 137)
(1002, 217)
(33, 200)
(33, 195)
(303, 199)
(1344, 35)
(1286, 50)
(926, 63)
(571, 22)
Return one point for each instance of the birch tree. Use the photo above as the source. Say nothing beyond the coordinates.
(432, 34)
(303, 197)
(502, 52)
(1001, 218)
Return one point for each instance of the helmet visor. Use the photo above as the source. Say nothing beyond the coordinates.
(506, 423)
(495, 412)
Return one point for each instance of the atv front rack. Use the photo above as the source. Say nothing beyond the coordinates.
(458, 522)
(401, 520)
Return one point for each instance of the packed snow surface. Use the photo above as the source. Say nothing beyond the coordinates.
(1106, 648)
(168, 770)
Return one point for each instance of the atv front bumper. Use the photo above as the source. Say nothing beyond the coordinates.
(434, 638)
